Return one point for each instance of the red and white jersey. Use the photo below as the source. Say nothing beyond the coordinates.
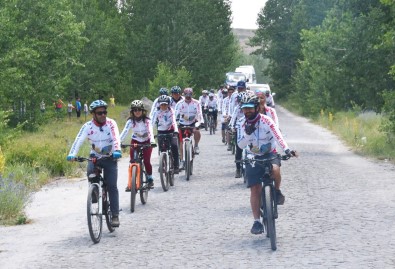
(211, 104)
(237, 115)
(271, 112)
(165, 120)
(189, 112)
(154, 108)
(266, 133)
(174, 102)
(105, 138)
(141, 130)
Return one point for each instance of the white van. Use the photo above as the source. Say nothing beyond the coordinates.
(249, 71)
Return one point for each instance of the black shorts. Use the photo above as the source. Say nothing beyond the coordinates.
(255, 173)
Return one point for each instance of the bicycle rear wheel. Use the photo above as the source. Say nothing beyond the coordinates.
(164, 174)
(144, 186)
(271, 225)
(171, 170)
(94, 218)
(107, 210)
(133, 190)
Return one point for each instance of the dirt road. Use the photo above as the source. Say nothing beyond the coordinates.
(339, 212)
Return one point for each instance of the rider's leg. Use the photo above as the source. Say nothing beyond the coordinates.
(174, 150)
(196, 136)
(255, 197)
(277, 176)
(147, 161)
(110, 169)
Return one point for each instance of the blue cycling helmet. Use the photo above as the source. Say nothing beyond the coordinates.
(176, 89)
(163, 91)
(96, 104)
(241, 84)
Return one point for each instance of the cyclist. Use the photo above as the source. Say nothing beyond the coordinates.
(142, 133)
(155, 105)
(241, 87)
(227, 115)
(189, 113)
(165, 120)
(267, 110)
(212, 103)
(103, 134)
(223, 107)
(257, 133)
(234, 122)
(175, 96)
(269, 99)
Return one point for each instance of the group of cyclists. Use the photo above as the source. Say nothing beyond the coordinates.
(241, 110)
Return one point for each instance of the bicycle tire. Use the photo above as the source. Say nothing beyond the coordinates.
(94, 218)
(271, 224)
(144, 186)
(163, 173)
(133, 190)
(107, 211)
(188, 160)
(171, 169)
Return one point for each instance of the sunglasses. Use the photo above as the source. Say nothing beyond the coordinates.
(101, 113)
(136, 109)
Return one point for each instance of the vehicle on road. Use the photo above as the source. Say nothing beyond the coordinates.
(233, 77)
(248, 71)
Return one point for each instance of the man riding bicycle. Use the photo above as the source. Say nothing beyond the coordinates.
(103, 134)
(259, 134)
(212, 104)
(189, 113)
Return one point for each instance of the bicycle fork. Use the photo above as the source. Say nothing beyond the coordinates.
(131, 167)
(100, 200)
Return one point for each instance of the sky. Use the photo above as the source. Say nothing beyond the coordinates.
(245, 13)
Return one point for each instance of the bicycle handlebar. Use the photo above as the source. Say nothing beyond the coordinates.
(283, 158)
(82, 159)
(135, 145)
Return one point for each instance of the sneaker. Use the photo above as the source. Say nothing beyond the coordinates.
(280, 197)
(257, 228)
(150, 182)
(127, 189)
(115, 221)
(197, 151)
(238, 173)
(229, 148)
(182, 165)
(176, 170)
(223, 140)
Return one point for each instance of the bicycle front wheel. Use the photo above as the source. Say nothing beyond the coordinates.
(107, 211)
(164, 174)
(271, 225)
(144, 186)
(171, 170)
(133, 189)
(188, 148)
(94, 217)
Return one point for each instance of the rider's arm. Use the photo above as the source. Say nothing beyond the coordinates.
(125, 130)
(274, 117)
(81, 136)
(153, 108)
(234, 117)
(115, 134)
(173, 115)
(150, 130)
(199, 115)
(275, 131)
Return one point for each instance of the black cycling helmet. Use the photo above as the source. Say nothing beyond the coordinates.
(176, 89)
(163, 91)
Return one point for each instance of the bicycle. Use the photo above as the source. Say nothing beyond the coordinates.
(210, 120)
(268, 206)
(98, 203)
(232, 140)
(137, 177)
(188, 149)
(205, 117)
(166, 161)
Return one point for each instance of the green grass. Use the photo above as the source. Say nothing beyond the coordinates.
(36, 158)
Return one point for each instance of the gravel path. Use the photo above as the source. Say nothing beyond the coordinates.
(339, 213)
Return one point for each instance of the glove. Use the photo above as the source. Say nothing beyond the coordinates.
(290, 153)
(70, 158)
(117, 154)
(197, 124)
(249, 128)
(153, 144)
